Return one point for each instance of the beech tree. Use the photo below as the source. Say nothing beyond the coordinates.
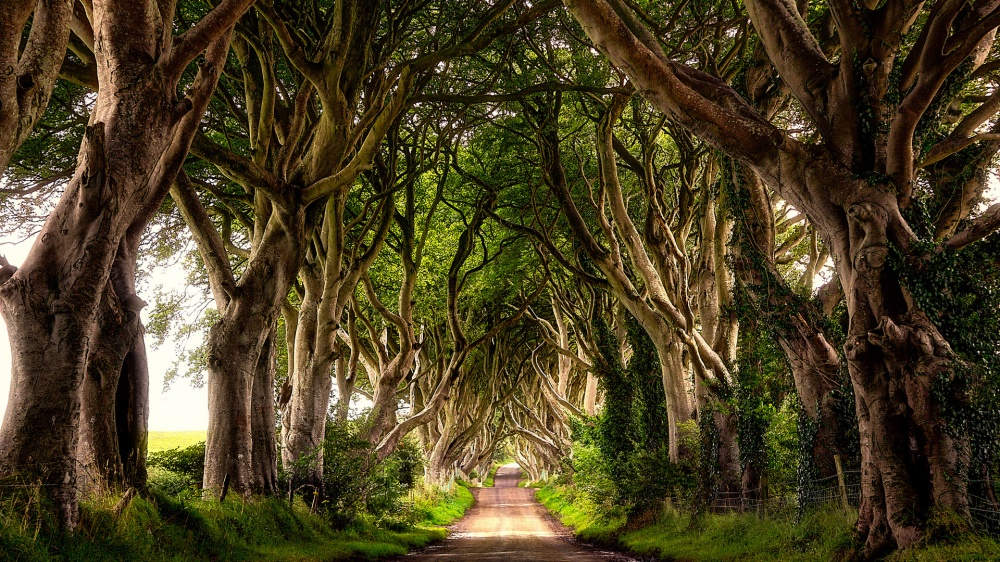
(354, 76)
(872, 97)
(136, 141)
(466, 216)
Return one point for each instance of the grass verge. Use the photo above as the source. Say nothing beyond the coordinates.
(437, 507)
(489, 482)
(162, 527)
(820, 535)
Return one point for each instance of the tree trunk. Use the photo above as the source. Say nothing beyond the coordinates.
(677, 400)
(730, 484)
(235, 345)
(51, 303)
(438, 467)
(815, 368)
(304, 422)
(241, 449)
(814, 363)
(114, 395)
(911, 465)
(262, 423)
(138, 136)
(590, 396)
(132, 411)
(345, 387)
(31, 66)
(384, 400)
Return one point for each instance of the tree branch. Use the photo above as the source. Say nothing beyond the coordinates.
(982, 226)
(194, 41)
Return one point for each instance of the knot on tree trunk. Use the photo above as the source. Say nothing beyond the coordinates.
(133, 304)
(286, 394)
(912, 338)
(867, 222)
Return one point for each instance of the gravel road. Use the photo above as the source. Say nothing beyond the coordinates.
(507, 523)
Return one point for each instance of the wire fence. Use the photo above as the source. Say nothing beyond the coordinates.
(774, 500)
(830, 492)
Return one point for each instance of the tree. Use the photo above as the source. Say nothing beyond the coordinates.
(873, 111)
(354, 75)
(135, 142)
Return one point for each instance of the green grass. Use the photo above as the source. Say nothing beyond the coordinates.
(821, 535)
(438, 508)
(489, 482)
(165, 528)
(580, 514)
(965, 548)
(163, 440)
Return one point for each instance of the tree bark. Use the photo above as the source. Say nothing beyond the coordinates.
(30, 72)
(815, 368)
(678, 402)
(911, 465)
(304, 418)
(132, 149)
(794, 321)
(730, 484)
(590, 396)
(138, 135)
(264, 459)
(235, 346)
(114, 395)
(345, 385)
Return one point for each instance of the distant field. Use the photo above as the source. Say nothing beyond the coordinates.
(161, 440)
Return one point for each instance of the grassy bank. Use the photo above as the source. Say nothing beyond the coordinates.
(439, 508)
(491, 477)
(164, 528)
(821, 535)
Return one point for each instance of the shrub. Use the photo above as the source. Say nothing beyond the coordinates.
(176, 470)
(170, 483)
(355, 481)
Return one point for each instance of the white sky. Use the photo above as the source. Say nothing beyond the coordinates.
(180, 408)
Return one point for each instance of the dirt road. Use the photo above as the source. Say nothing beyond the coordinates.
(506, 523)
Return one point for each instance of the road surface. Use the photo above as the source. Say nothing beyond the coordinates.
(506, 523)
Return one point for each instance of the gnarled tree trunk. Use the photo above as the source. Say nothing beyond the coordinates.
(235, 345)
(264, 458)
(29, 71)
(911, 465)
(114, 396)
(137, 138)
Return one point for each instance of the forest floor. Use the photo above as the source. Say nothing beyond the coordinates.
(507, 523)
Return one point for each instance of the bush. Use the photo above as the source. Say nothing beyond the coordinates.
(171, 483)
(177, 470)
(355, 481)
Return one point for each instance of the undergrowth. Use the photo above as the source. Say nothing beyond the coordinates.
(162, 527)
(822, 534)
(489, 482)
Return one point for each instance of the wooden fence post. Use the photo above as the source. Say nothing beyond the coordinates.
(841, 483)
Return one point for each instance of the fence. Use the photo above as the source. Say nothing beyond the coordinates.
(842, 490)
